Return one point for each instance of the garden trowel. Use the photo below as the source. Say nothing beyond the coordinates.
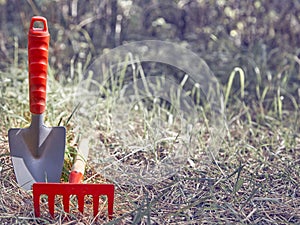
(37, 152)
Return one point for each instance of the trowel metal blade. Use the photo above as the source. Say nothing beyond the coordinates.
(24, 177)
(40, 163)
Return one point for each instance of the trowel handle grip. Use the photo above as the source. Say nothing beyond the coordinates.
(38, 44)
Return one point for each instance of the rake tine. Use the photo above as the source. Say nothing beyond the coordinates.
(80, 201)
(110, 201)
(66, 202)
(95, 204)
(51, 202)
(36, 205)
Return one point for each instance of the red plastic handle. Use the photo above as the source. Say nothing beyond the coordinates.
(75, 177)
(38, 44)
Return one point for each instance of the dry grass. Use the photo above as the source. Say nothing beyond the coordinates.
(254, 180)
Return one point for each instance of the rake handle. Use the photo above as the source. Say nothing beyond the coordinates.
(78, 168)
(75, 177)
(38, 44)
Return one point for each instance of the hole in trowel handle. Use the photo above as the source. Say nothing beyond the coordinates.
(38, 25)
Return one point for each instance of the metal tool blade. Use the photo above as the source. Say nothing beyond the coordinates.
(37, 156)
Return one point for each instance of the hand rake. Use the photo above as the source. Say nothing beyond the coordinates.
(74, 187)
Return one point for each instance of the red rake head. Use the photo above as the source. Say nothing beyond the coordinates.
(68, 189)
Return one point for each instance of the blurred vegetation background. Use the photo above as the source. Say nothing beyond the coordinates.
(253, 48)
(260, 37)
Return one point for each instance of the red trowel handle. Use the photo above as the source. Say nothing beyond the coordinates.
(38, 43)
